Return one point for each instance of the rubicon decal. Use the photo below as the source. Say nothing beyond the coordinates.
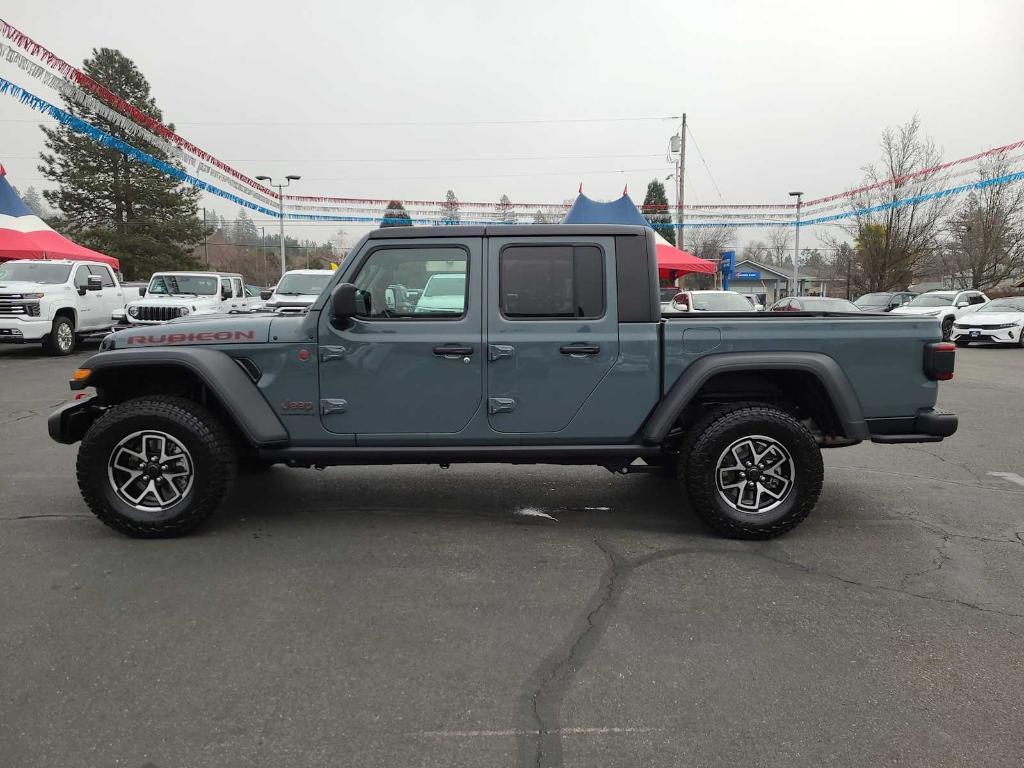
(157, 339)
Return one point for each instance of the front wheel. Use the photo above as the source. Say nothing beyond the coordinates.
(156, 467)
(61, 339)
(753, 472)
(947, 328)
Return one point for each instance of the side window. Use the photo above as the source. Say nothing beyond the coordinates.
(551, 281)
(104, 274)
(225, 285)
(81, 277)
(237, 283)
(977, 298)
(422, 283)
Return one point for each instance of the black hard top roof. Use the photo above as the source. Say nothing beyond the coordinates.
(507, 230)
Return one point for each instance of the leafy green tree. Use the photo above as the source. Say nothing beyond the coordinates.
(114, 203)
(395, 215)
(450, 209)
(655, 210)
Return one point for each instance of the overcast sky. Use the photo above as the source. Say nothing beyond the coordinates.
(779, 95)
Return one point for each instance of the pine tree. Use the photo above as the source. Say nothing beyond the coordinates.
(540, 217)
(395, 215)
(450, 209)
(244, 231)
(34, 202)
(504, 211)
(655, 210)
(114, 203)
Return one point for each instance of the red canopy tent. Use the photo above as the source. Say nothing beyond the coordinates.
(23, 235)
(672, 261)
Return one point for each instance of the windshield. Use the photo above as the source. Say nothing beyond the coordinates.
(931, 300)
(298, 284)
(721, 302)
(47, 274)
(811, 304)
(873, 300)
(1010, 304)
(445, 285)
(196, 285)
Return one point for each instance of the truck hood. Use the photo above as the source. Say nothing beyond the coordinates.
(20, 287)
(922, 310)
(192, 330)
(163, 300)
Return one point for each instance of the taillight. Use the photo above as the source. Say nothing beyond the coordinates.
(939, 357)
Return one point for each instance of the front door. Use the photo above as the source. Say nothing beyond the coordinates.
(552, 329)
(412, 363)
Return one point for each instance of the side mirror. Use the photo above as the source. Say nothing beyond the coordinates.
(142, 291)
(680, 302)
(266, 293)
(347, 301)
(962, 304)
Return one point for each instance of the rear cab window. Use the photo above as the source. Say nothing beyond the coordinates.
(551, 282)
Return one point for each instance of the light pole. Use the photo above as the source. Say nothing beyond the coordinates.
(678, 144)
(796, 245)
(280, 199)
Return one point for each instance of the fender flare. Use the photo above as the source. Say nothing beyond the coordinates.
(824, 368)
(232, 386)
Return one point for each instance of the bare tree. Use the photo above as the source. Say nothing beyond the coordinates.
(707, 243)
(894, 242)
(985, 235)
(755, 250)
(780, 247)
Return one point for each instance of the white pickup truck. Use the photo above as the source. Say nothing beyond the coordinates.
(176, 294)
(58, 302)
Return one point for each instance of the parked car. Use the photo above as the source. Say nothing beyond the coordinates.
(813, 304)
(178, 294)
(296, 290)
(255, 296)
(944, 306)
(885, 301)
(444, 293)
(710, 301)
(57, 303)
(1000, 321)
(754, 300)
(556, 353)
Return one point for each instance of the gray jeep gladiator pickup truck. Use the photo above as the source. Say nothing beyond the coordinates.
(508, 344)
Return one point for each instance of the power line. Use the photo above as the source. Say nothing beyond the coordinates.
(705, 162)
(383, 123)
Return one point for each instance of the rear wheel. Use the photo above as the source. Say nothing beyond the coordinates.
(156, 467)
(753, 471)
(61, 340)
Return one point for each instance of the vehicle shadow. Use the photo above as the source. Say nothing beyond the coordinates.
(586, 497)
(33, 351)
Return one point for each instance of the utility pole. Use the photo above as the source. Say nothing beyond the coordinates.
(796, 246)
(679, 179)
(206, 246)
(280, 199)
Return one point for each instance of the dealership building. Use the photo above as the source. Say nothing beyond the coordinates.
(770, 284)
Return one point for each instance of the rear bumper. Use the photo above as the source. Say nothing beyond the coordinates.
(930, 425)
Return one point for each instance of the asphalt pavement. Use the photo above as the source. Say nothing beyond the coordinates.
(520, 616)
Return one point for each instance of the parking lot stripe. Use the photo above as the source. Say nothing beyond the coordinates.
(1012, 477)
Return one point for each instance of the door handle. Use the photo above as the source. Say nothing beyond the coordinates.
(579, 350)
(453, 351)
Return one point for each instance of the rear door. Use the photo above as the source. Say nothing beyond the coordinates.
(552, 331)
(407, 366)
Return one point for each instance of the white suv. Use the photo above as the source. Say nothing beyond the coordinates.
(297, 290)
(944, 306)
(177, 294)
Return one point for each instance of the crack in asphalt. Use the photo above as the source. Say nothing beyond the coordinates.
(538, 707)
(890, 473)
(24, 416)
(539, 704)
(952, 462)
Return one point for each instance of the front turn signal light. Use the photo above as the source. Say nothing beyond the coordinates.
(81, 374)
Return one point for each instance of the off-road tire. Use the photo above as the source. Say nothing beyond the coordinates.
(61, 339)
(962, 343)
(212, 452)
(947, 328)
(713, 434)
